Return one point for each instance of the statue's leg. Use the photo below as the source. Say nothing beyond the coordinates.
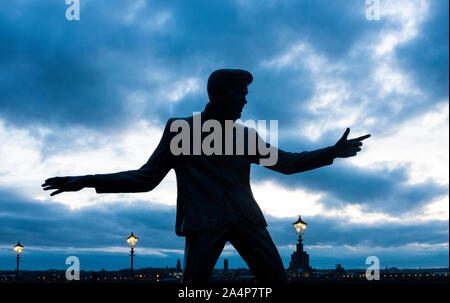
(202, 249)
(254, 244)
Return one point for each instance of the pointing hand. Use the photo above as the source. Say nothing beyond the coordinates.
(345, 148)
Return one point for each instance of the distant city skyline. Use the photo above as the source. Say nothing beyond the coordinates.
(122, 261)
(173, 275)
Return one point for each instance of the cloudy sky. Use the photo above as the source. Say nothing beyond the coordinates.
(92, 96)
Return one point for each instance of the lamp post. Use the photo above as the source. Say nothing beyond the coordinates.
(300, 259)
(18, 249)
(132, 240)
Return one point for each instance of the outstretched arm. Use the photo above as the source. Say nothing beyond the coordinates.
(140, 180)
(291, 163)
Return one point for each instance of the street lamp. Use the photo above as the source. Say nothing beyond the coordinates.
(132, 240)
(299, 264)
(18, 249)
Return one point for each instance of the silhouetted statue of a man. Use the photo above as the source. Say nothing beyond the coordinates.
(215, 203)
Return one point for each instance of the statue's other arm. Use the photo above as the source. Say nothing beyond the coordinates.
(143, 179)
(291, 162)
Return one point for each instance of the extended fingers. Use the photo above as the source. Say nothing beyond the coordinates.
(345, 135)
(46, 184)
(55, 181)
(50, 187)
(360, 138)
(56, 192)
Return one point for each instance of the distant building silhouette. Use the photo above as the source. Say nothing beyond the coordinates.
(179, 266)
(225, 265)
(299, 264)
(339, 271)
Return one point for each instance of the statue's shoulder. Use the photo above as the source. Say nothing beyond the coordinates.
(173, 119)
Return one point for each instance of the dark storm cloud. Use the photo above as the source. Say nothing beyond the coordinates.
(84, 72)
(426, 57)
(53, 73)
(74, 72)
(53, 224)
(378, 189)
(335, 232)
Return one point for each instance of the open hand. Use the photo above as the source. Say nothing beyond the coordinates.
(348, 148)
(62, 184)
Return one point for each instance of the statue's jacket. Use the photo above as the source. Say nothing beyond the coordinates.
(204, 180)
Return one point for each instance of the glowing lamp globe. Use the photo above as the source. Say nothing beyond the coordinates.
(299, 226)
(18, 248)
(132, 240)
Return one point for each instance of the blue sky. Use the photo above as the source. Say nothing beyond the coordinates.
(92, 96)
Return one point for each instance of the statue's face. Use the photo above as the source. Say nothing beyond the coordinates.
(232, 102)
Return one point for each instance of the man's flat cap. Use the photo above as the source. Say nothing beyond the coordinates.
(223, 78)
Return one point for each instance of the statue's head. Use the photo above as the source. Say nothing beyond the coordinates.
(227, 89)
